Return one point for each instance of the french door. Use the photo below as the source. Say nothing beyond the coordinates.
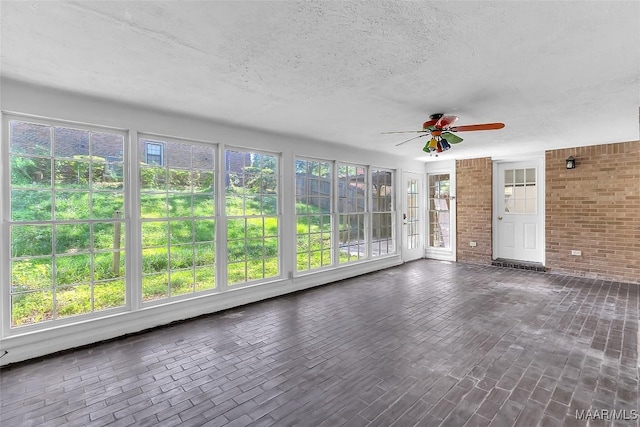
(412, 216)
(441, 211)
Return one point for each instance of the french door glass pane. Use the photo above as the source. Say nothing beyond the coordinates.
(439, 213)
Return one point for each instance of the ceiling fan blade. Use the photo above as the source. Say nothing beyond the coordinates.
(429, 123)
(403, 131)
(451, 138)
(445, 121)
(484, 126)
(411, 139)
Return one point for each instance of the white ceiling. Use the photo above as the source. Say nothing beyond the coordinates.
(558, 74)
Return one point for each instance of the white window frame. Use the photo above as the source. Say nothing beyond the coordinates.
(162, 141)
(5, 215)
(392, 212)
(224, 262)
(365, 215)
(331, 214)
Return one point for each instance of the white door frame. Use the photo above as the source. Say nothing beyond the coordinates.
(441, 167)
(539, 161)
(418, 252)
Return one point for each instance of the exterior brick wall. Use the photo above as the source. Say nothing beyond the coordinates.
(594, 208)
(474, 206)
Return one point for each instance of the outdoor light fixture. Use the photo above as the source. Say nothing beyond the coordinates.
(571, 163)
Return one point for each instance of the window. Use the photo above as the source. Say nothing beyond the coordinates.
(154, 153)
(520, 194)
(69, 228)
(251, 207)
(412, 218)
(352, 205)
(177, 207)
(439, 215)
(313, 214)
(66, 222)
(382, 213)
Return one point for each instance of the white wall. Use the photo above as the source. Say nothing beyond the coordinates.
(22, 98)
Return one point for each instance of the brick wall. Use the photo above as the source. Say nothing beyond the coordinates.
(595, 209)
(474, 205)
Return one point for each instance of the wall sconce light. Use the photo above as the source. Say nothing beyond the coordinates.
(570, 163)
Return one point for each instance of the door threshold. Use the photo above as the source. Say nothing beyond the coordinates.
(521, 265)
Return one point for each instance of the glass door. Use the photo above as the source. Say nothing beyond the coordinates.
(441, 212)
(412, 217)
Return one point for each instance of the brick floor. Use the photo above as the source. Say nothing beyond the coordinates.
(427, 343)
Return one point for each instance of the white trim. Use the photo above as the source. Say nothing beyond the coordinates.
(221, 222)
(5, 246)
(539, 159)
(133, 223)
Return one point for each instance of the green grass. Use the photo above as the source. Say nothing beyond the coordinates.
(178, 256)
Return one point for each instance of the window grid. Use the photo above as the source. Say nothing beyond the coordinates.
(413, 214)
(313, 214)
(252, 211)
(352, 210)
(439, 215)
(66, 221)
(382, 213)
(154, 153)
(520, 194)
(178, 220)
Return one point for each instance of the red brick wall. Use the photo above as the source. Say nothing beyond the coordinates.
(474, 205)
(595, 209)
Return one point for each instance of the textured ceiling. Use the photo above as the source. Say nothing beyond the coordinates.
(558, 74)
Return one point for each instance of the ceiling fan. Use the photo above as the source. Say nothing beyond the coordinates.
(441, 130)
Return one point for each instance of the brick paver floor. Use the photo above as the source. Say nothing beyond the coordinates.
(426, 343)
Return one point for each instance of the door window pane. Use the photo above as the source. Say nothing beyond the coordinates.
(439, 212)
(520, 194)
(413, 215)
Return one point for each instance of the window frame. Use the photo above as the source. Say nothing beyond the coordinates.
(393, 238)
(158, 139)
(226, 218)
(153, 143)
(365, 213)
(331, 214)
(8, 222)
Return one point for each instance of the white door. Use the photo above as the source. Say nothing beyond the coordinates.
(519, 211)
(412, 217)
(441, 211)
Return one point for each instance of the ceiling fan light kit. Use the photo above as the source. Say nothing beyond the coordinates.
(439, 126)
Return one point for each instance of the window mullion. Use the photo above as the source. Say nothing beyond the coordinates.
(5, 247)
(133, 224)
(221, 223)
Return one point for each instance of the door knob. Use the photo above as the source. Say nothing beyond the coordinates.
(499, 218)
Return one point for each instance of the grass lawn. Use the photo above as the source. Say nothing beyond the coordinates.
(178, 256)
